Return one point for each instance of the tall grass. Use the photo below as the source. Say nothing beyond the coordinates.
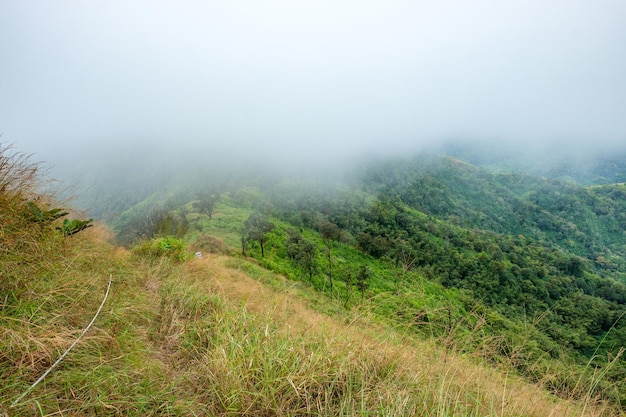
(257, 352)
(420, 306)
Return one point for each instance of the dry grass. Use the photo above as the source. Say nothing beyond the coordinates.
(204, 338)
(391, 375)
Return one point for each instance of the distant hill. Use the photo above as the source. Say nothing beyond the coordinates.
(584, 165)
(586, 221)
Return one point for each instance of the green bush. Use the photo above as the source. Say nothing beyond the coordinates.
(168, 246)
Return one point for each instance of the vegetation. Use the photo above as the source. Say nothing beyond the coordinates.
(430, 243)
(256, 228)
(588, 167)
(352, 300)
(71, 227)
(168, 247)
(304, 252)
(44, 217)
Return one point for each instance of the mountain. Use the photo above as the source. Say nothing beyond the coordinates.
(585, 221)
(401, 287)
(528, 268)
(583, 164)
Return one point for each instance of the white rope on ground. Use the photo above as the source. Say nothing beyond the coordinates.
(41, 378)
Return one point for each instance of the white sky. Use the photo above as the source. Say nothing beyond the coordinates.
(309, 78)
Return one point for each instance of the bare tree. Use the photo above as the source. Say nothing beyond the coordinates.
(330, 232)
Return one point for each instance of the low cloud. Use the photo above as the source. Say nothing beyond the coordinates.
(328, 80)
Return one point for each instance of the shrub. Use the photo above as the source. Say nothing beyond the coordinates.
(212, 244)
(168, 246)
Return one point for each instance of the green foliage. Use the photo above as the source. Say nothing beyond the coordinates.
(206, 204)
(527, 269)
(168, 247)
(362, 280)
(43, 216)
(499, 297)
(71, 227)
(169, 224)
(329, 231)
(255, 228)
(149, 222)
(304, 252)
(509, 277)
(584, 221)
(595, 166)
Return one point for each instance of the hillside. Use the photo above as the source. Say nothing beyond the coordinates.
(584, 221)
(205, 338)
(517, 269)
(375, 321)
(585, 165)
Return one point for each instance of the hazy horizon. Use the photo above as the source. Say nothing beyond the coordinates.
(308, 81)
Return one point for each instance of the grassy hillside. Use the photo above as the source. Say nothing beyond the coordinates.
(509, 300)
(205, 338)
(223, 335)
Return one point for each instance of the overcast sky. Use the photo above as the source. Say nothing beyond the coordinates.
(309, 77)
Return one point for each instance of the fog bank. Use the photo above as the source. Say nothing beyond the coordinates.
(306, 82)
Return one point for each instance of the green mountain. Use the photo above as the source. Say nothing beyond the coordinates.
(524, 270)
(572, 162)
(585, 221)
(390, 289)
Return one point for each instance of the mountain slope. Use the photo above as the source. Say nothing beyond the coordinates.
(585, 165)
(219, 335)
(482, 263)
(586, 221)
(205, 338)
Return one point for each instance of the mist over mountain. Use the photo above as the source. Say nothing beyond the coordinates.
(585, 164)
(539, 261)
(310, 83)
(452, 171)
(419, 285)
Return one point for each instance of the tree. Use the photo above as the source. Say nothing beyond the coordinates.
(330, 232)
(304, 252)
(256, 227)
(362, 280)
(350, 283)
(150, 223)
(206, 204)
(169, 224)
(243, 241)
(405, 258)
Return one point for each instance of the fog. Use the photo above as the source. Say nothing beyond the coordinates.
(297, 82)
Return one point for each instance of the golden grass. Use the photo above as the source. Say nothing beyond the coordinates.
(448, 384)
(205, 338)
